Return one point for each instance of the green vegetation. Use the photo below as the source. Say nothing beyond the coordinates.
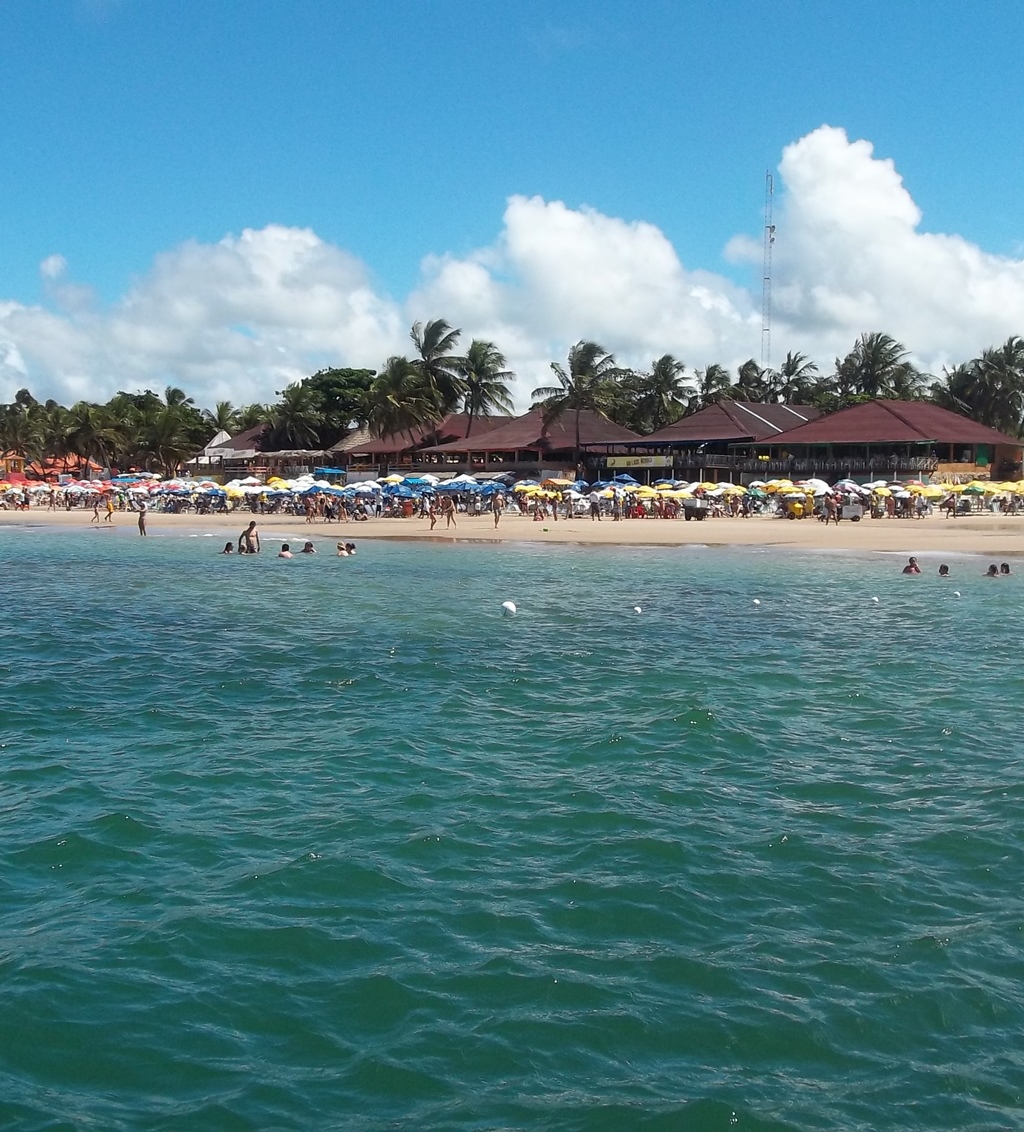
(160, 433)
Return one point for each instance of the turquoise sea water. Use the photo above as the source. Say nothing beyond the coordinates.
(333, 844)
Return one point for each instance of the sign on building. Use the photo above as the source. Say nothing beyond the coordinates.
(639, 462)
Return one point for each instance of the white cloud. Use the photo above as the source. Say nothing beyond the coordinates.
(239, 318)
(53, 267)
(851, 257)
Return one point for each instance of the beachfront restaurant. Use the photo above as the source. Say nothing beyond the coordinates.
(720, 442)
(526, 446)
(908, 439)
(402, 453)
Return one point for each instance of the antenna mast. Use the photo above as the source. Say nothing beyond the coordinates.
(766, 278)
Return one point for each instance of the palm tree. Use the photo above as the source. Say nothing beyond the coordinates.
(295, 420)
(222, 418)
(20, 431)
(590, 382)
(485, 382)
(877, 366)
(175, 397)
(653, 400)
(755, 383)
(713, 385)
(436, 362)
(400, 399)
(798, 379)
(249, 416)
(93, 433)
(990, 388)
(166, 439)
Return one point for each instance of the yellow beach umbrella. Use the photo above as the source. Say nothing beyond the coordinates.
(735, 489)
(393, 479)
(882, 491)
(933, 492)
(524, 487)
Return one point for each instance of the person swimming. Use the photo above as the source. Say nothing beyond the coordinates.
(309, 548)
(912, 567)
(1004, 568)
(992, 571)
(229, 548)
(342, 550)
(286, 551)
(943, 571)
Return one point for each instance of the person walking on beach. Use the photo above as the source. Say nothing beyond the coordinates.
(448, 510)
(595, 506)
(497, 506)
(142, 519)
(95, 512)
(109, 517)
(249, 540)
(432, 513)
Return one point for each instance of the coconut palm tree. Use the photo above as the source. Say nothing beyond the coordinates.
(989, 388)
(400, 400)
(166, 439)
(755, 383)
(221, 418)
(590, 382)
(485, 382)
(713, 385)
(798, 379)
(175, 397)
(295, 419)
(652, 400)
(93, 433)
(439, 366)
(249, 416)
(878, 366)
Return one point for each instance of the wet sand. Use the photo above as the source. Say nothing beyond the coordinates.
(993, 536)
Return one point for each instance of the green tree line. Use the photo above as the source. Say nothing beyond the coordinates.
(419, 389)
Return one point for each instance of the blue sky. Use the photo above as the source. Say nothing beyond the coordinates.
(398, 130)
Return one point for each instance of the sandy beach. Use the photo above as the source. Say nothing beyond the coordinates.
(992, 536)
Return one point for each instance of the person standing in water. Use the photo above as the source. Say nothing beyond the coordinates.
(142, 519)
(249, 540)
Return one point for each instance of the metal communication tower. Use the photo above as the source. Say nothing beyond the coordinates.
(766, 278)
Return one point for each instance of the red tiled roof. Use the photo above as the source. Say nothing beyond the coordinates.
(528, 432)
(894, 422)
(734, 420)
(453, 427)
